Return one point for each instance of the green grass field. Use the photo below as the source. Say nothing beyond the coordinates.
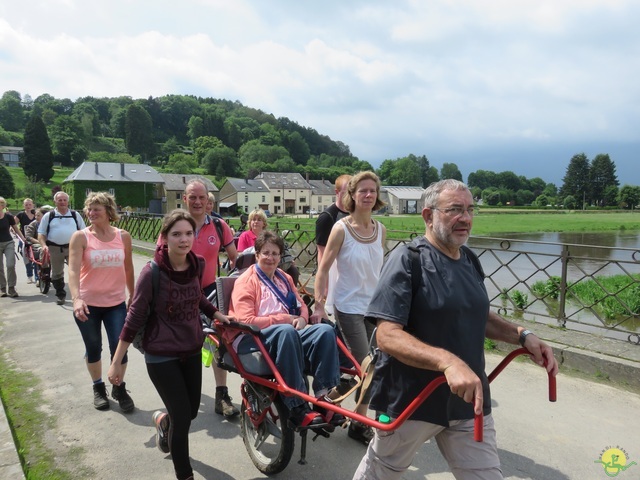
(487, 222)
(494, 223)
(20, 181)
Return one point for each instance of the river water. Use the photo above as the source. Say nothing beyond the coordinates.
(517, 261)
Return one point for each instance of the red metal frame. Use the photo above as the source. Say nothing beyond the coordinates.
(278, 384)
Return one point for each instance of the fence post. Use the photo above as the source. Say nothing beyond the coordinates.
(564, 258)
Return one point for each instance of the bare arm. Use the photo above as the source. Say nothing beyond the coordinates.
(128, 265)
(321, 284)
(42, 238)
(320, 253)
(76, 249)
(18, 233)
(462, 381)
(232, 254)
(541, 353)
(116, 370)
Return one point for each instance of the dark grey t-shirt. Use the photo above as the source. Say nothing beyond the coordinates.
(450, 311)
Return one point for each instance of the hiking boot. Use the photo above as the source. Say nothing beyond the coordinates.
(162, 422)
(119, 393)
(61, 300)
(224, 405)
(100, 400)
(12, 292)
(360, 432)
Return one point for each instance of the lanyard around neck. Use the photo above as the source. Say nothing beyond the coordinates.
(288, 301)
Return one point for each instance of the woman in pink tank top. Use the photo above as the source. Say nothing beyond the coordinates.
(100, 266)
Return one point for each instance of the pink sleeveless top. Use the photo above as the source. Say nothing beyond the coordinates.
(102, 275)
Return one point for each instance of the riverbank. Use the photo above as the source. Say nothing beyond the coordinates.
(493, 222)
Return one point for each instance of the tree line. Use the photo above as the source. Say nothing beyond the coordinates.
(188, 134)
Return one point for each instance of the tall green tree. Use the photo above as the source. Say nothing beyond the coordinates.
(11, 112)
(432, 176)
(195, 127)
(509, 181)
(221, 161)
(203, 144)
(139, 132)
(576, 180)
(482, 179)
(401, 172)
(298, 148)
(602, 175)
(38, 157)
(450, 170)
(181, 163)
(7, 187)
(67, 141)
(629, 197)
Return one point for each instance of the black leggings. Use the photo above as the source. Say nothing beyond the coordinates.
(179, 383)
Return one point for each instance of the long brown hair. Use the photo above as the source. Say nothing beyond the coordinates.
(173, 217)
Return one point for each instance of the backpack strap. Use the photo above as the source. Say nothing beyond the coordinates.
(74, 214)
(218, 225)
(155, 283)
(52, 215)
(155, 280)
(474, 259)
(416, 269)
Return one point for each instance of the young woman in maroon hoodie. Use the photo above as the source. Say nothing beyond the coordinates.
(173, 336)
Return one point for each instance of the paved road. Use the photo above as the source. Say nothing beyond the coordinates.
(537, 439)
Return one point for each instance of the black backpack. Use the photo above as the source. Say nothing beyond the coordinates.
(52, 215)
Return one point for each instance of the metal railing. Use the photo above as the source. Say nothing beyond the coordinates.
(593, 289)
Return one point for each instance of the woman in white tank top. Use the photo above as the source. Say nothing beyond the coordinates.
(356, 244)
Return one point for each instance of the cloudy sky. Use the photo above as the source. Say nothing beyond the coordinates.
(493, 84)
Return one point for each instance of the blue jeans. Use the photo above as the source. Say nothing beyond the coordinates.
(297, 353)
(113, 319)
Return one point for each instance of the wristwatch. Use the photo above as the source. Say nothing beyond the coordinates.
(523, 336)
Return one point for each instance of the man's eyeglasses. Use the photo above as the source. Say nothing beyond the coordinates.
(269, 254)
(456, 211)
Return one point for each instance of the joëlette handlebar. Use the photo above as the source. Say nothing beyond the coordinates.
(281, 386)
(44, 257)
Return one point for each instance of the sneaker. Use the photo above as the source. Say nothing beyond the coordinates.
(333, 419)
(224, 405)
(4, 292)
(303, 417)
(119, 393)
(360, 432)
(30, 280)
(38, 283)
(161, 422)
(100, 400)
(61, 300)
(12, 292)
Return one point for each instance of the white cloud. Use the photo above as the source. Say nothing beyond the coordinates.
(466, 79)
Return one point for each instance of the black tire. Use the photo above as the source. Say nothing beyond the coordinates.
(268, 453)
